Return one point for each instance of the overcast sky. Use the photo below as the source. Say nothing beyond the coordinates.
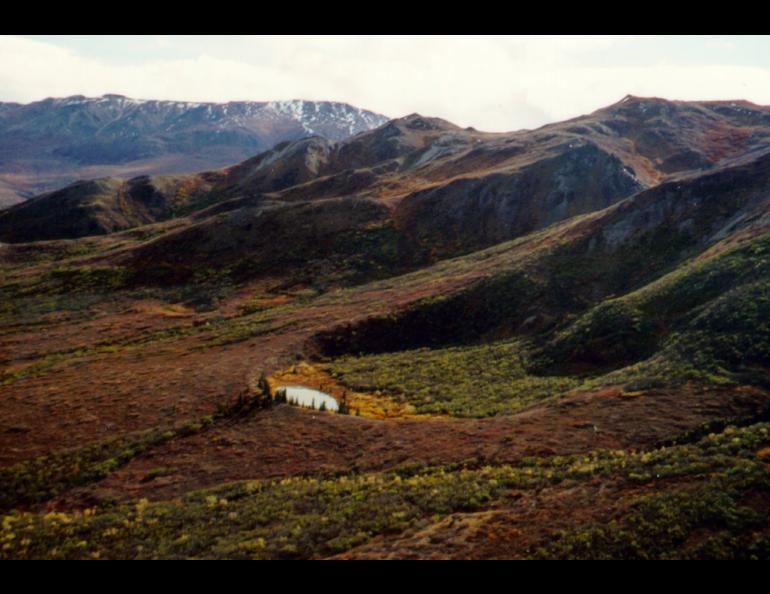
(490, 82)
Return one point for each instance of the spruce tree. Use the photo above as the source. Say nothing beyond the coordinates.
(343, 406)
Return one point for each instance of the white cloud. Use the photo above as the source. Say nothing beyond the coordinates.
(490, 82)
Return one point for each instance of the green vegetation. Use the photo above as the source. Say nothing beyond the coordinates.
(42, 365)
(716, 520)
(292, 518)
(564, 296)
(703, 319)
(666, 333)
(308, 517)
(20, 305)
(350, 258)
(706, 320)
(611, 334)
(85, 279)
(727, 341)
(733, 331)
(474, 381)
(42, 478)
(721, 514)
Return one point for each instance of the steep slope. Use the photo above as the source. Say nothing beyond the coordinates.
(475, 212)
(534, 284)
(46, 144)
(322, 242)
(371, 156)
(512, 184)
(103, 206)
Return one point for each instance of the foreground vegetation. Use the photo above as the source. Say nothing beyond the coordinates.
(721, 518)
(40, 479)
(701, 499)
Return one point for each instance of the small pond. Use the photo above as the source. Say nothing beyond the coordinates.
(308, 397)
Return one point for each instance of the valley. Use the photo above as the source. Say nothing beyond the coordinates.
(551, 343)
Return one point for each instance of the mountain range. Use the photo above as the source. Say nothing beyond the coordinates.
(47, 144)
(549, 343)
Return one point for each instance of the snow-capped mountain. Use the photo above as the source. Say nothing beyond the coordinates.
(49, 143)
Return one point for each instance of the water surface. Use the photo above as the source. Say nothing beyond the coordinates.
(308, 397)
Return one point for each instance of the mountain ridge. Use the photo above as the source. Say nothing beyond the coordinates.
(46, 143)
(443, 182)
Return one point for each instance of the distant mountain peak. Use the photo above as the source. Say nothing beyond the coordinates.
(46, 144)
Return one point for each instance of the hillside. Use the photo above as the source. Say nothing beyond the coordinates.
(47, 144)
(549, 344)
(450, 189)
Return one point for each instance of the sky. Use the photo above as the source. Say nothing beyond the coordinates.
(494, 83)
